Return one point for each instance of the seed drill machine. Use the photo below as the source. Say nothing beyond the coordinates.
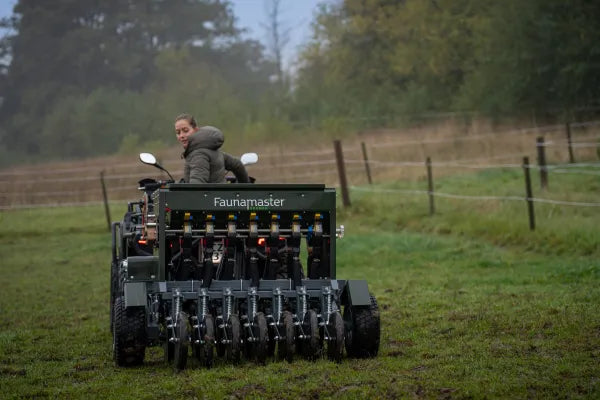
(235, 271)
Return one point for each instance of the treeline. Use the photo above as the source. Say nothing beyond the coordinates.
(85, 77)
(380, 57)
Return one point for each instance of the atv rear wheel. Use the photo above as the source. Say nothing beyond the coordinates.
(129, 334)
(363, 329)
(114, 283)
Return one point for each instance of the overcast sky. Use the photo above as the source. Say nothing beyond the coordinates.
(296, 15)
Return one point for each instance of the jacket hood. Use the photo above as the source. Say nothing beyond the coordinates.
(207, 137)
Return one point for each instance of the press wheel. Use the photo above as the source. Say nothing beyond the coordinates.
(287, 346)
(335, 344)
(261, 336)
(205, 352)
(181, 345)
(312, 346)
(233, 349)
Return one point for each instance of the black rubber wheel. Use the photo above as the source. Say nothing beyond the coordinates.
(363, 329)
(248, 335)
(312, 347)
(287, 346)
(272, 341)
(220, 347)
(261, 336)
(114, 282)
(335, 344)
(233, 349)
(169, 351)
(181, 346)
(129, 334)
(206, 351)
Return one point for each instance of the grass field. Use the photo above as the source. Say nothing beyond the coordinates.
(473, 304)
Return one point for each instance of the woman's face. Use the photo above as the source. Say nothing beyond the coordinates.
(183, 130)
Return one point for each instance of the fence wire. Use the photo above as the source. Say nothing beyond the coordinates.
(314, 168)
(469, 197)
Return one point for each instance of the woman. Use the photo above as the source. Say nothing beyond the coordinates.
(204, 161)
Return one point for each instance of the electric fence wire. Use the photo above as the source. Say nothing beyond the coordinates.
(467, 197)
(564, 171)
(71, 192)
(562, 143)
(298, 164)
(321, 173)
(577, 165)
(57, 205)
(460, 164)
(297, 153)
(477, 137)
(39, 179)
(498, 157)
(584, 124)
(61, 171)
(377, 163)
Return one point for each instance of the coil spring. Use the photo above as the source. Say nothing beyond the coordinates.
(227, 304)
(277, 304)
(203, 303)
(252, 303)
(327, 303)
(177, 299)
(302, 303)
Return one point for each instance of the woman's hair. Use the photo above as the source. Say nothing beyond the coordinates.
(189, 118)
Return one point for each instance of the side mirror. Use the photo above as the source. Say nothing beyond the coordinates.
(148, 158)
(248, 158)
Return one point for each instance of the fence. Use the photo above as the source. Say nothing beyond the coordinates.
(376, 158)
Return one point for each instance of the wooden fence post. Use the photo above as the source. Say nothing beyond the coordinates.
(105, 197)
(430, 186)
(339, 156)
(529, 193)
(541, 151)
(570, 143)
(366, 158)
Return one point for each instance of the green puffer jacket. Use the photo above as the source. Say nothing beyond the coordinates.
(205, 163)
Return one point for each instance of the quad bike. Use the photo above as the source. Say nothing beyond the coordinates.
(216, 271)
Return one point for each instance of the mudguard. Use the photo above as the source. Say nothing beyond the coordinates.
(356, 293)
(135, 294)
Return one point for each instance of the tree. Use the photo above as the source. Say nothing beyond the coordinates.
(535, 56)
(369, 58)
(77, 46)
(278, 36)
(97, 68)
